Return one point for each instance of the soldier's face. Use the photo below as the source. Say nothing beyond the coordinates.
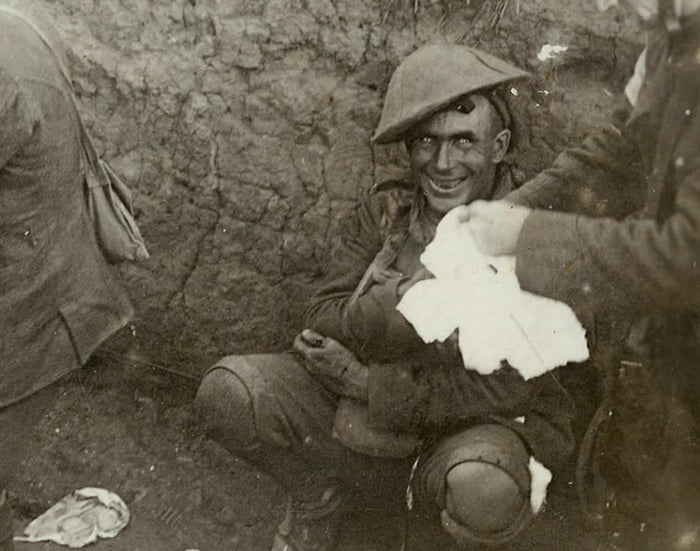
(454, 153)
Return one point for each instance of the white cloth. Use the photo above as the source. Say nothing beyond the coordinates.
(79, 519)
(481, 298)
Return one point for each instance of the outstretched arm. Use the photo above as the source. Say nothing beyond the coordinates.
(601, 177)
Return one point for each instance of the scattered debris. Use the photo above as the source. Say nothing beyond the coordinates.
(79, 519)
(551, 51)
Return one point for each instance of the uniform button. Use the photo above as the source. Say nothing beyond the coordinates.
(679, 162)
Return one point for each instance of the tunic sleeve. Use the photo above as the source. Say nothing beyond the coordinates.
(599, 264)
(406, 397)
(602, 177)
(369, 325)
(351, 255)
(635, 265)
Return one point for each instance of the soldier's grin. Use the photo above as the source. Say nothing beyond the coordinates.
(446, 186)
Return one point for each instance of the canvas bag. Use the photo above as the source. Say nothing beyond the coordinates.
(107, 197)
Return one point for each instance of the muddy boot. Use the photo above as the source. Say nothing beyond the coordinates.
(6, 543)
(310, 526)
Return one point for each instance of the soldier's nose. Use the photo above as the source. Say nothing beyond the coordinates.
(443, 156)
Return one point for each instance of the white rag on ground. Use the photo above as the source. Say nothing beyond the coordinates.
(496, 320)
(79, 519)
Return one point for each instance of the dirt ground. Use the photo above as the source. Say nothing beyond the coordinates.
(129, 429)
(132, 433)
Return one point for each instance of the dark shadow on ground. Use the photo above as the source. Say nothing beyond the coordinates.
(131, 431)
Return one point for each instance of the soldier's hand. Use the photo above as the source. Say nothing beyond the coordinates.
(333, 365)
(495, 225)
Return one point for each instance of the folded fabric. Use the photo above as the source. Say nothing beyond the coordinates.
(79, 519)
(480, 297)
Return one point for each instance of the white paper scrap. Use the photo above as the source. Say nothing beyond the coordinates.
(550, 51)
(540, 477)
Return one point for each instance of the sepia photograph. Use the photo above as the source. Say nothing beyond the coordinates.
(350, 275)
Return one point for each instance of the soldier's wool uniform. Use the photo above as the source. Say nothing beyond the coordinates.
(632, 252)
(58, 297)
(422, 402)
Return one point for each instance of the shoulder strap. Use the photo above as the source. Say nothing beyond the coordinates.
(19, 15)
(88, 146)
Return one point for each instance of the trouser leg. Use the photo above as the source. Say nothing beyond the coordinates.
(269, 410)
(480, 478)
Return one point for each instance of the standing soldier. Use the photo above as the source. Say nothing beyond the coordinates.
(613, 228)
(58, 297)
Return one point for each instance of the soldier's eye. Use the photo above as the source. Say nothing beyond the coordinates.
(464, 142)
(424, 141)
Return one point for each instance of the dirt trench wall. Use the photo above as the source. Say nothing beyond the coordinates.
(243, 127)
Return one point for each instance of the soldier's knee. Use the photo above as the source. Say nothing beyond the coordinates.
(224, 405)
(483, 497)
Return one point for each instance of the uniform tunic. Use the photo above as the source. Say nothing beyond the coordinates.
(416, 387)
(58, 298)
(631, 254)
(649, 168)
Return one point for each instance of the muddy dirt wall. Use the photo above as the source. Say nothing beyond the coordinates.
(243, 127)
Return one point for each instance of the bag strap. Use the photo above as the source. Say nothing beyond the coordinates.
(85, 138)
(19, 15)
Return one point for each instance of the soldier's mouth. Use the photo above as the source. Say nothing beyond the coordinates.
(446, 186)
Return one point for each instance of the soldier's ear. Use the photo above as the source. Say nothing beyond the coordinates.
(501, 142)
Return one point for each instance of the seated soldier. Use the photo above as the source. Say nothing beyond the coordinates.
(364, 396)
